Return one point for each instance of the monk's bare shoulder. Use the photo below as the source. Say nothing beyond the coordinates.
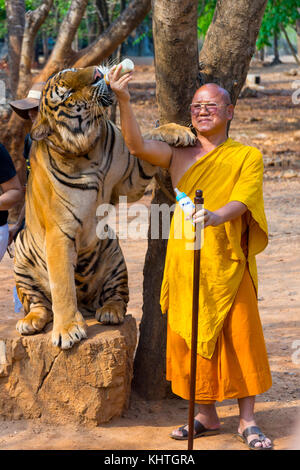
(182, 159)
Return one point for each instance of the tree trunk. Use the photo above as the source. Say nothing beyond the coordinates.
(276, 59)
(75, 43)
(45, 46)
(290, 45)
(62, 55)
(176, 69)
(230, 43)
(224, 59)
(17, 128)
(298, 34)
(117, 55)
(262, 55)
(15, 12)
(101, 7)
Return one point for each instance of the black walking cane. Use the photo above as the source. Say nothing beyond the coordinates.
(196, 283)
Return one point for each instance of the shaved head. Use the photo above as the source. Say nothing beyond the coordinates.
(214, 89)
(211, 111)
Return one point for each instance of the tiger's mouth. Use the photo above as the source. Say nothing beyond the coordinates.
(101, 90)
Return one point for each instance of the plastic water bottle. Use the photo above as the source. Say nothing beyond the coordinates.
(127, 66)
(17, 302)
(185, 203)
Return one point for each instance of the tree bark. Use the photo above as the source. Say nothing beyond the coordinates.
(224, 59)
(45, 46)
(230, 43)
(15, 12)
(298, 34)
(290, 45)
(17, 128)
(149, 363)
(176, 70)
(62, 55)
(33, 21)
(262, 55)
(176, 57)
(276, 59)
(101, 7)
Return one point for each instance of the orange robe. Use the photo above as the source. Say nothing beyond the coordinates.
(239, 366)
(232, 358)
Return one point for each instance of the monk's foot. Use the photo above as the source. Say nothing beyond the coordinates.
(253, 437)
(204, 425)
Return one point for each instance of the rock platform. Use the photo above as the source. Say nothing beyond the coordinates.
(89, 383)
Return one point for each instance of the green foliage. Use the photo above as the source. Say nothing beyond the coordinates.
(3, 25)
(143, 30)
(206, 10)
(277, 13)
(54, 19)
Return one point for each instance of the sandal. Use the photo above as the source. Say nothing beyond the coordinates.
(199, 429)
(261, 437)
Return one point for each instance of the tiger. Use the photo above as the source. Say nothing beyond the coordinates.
(64, 271)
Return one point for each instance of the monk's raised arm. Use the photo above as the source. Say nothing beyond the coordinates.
(155, 152)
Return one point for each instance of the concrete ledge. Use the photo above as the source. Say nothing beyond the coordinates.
(89, 383)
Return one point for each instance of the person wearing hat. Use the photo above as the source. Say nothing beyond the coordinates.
(11, 194)
(26, 108)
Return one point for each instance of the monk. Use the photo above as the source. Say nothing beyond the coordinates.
(231, 354)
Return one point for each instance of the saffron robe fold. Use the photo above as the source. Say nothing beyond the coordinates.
(239, 366)
(231, 172)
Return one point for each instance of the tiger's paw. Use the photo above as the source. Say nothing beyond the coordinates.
(34, 321)
(174, 134)
(65, 335)
(112, 313)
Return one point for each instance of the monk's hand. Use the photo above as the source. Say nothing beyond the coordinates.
(119, 85)
(206, 218)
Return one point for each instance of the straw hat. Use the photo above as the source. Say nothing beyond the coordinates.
(32, 100)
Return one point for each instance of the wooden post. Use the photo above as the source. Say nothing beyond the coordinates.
(196, 284)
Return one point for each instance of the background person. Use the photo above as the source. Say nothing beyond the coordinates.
(26, 108)
(11, 194)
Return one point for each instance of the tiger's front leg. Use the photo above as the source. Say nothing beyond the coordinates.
(69, 326)
(115, 293)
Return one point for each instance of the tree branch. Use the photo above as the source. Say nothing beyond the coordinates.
(230, 43)
(33, 21)
(63, 50)
(101, 6)
(15, 12)
(70, 25)
(290, 44)
(102, 18)
(114, 35)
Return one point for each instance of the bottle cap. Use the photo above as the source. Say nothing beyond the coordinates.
(179, 194)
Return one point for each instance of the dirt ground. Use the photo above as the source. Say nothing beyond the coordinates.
(271, 122)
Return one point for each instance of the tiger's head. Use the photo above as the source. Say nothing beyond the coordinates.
(72, 107)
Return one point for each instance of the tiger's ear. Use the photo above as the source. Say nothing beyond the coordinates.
(40, 129)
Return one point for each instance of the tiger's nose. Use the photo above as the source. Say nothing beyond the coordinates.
(98, 75)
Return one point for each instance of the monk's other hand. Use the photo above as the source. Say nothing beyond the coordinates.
(119, 84)
(206, 218)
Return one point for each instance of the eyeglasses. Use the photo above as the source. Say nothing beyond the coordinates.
(210, 107)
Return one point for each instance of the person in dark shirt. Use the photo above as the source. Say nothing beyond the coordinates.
(26, 109)
(11, 194)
